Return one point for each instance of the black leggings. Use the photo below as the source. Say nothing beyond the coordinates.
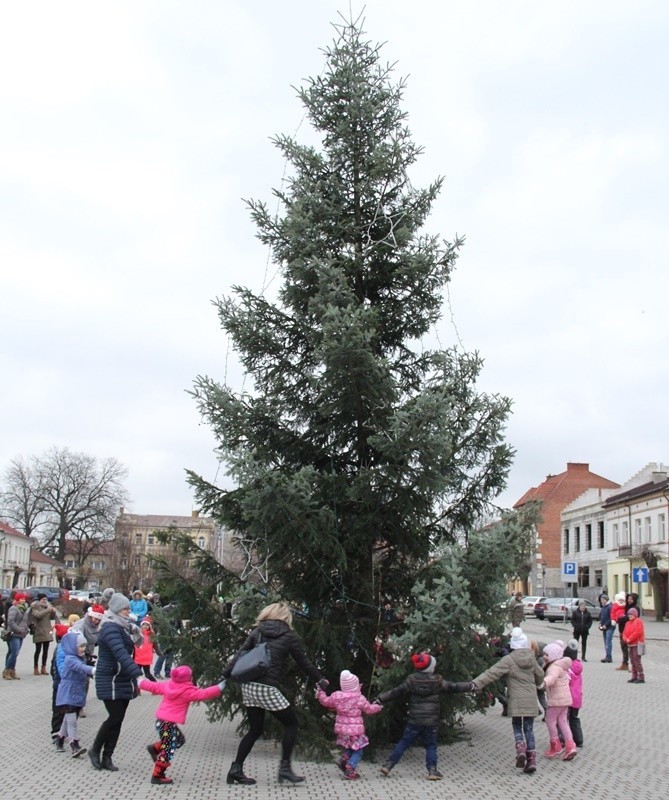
(110, 730)
(256, 717)
(44, 648)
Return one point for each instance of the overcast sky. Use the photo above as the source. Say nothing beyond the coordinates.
(131, 131)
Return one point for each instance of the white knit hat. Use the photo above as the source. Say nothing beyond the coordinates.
(518, 640)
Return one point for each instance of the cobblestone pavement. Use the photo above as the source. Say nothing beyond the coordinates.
(624, 756)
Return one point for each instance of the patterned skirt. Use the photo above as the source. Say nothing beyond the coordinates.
(261, 695)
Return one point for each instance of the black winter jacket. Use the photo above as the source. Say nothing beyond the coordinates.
(424, 689)
(581, 621)
(282, 641)
(116, 672)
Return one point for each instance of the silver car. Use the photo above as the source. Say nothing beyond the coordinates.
(561, 608)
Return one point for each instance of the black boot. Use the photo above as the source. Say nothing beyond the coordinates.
(286, 773)
(94, 756)
(107, 763)
(236, 775)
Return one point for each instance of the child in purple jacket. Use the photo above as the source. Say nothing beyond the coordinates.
(349, 705)
(178, 693)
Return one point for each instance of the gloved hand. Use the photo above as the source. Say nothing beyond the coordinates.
(222, 684)
(323, 683)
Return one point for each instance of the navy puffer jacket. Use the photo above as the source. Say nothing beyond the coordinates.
(282, 641)
(116, 672)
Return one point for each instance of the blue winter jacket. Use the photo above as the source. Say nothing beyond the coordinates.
(74, 673)
(116, 672)
(140, 608)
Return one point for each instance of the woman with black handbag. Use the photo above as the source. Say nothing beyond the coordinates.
(275, 629)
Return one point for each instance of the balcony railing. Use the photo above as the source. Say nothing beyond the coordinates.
(630, 550)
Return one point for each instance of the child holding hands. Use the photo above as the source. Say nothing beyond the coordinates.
(349, 705)
(178, 693)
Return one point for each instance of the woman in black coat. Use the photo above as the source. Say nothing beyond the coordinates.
(274, 626)
(116, 675)
(581, 621)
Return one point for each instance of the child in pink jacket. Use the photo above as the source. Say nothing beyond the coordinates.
(558, 697)
(349, 705)
(178, 693)
(576, 688)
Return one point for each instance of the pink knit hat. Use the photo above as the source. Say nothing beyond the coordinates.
(182, 674)
(349, 682)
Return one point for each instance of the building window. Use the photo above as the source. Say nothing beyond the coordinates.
(70, 563)
(588, 537)
(138, 539)
(577, 539)
(566, 540)
(600, 534)
(200, 542)
(150, 539)
(98, 566)
(661, 529)
(616, 537)
(647, 530)
(625, 534)
(584, 576)
(637, 531)
(599, 578)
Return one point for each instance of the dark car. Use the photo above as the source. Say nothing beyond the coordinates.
(561, 608)
(53, 593)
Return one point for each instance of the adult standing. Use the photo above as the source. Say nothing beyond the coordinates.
(138, 606)
(516, 610)
(274, 625)
(17, 626)
(607, 626)
(581, 622)
(42, 614)
(619, 617)
(115, 677)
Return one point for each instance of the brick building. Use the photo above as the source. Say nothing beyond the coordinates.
(556, 492)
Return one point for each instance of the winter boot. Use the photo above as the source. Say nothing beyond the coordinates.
(521, 757)
(343, 761)
(6, 675)
(385, 768)
(107, 763)
(77, 749)
(433, 774)
(153, 750)
(531, 762)
(570, 750)
(236, 775)
(623, 667)
(94, 755)
(60, 744)
(44, 671)
(159, 775)
(35, 670)
(286, 773)
(554, 750)
(13, 675)
(350, 773)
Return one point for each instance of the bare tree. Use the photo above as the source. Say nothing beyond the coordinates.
(63, 496)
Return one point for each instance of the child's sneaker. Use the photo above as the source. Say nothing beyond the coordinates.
(385, 769)
(77, 749)
(60, 744)
(433, 774)
(350, 774)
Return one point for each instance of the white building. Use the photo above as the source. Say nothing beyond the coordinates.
(14, 557)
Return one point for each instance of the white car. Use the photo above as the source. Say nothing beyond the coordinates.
(79, 594)
(529, 602)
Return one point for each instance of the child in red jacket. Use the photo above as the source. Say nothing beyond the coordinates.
(634, 635)
(178, 693)
(145, 651)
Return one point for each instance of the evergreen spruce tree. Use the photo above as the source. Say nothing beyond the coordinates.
(357, 455)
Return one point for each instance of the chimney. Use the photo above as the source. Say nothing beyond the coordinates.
(195, 514)
(573, 466)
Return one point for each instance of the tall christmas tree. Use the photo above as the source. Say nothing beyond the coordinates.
(356, 454)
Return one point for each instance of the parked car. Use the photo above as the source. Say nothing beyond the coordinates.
(53, 593)
(529, 602)
(560, 608)
(540, 606)
(79, 594)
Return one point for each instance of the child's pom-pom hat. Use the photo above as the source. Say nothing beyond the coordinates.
(423, 662)
(348, 681)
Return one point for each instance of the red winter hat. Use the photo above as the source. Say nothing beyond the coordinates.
(97, 612)
(61, 630)
(421, 660)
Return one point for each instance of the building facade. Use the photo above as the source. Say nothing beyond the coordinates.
(14, 557)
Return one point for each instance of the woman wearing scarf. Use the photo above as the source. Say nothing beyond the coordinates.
(17, 626)
(115, 677)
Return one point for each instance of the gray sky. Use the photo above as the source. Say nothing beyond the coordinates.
(131, 131)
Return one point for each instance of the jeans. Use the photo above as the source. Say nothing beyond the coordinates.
(13, 647)
(608, 642)
(429, 735)
(165, 659)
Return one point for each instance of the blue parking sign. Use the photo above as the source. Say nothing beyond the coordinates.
(568, 569)
(640, 575)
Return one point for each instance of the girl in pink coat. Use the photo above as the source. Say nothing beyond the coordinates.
(349, 705)
(558, 697)
(576, 688)
(178, 693)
